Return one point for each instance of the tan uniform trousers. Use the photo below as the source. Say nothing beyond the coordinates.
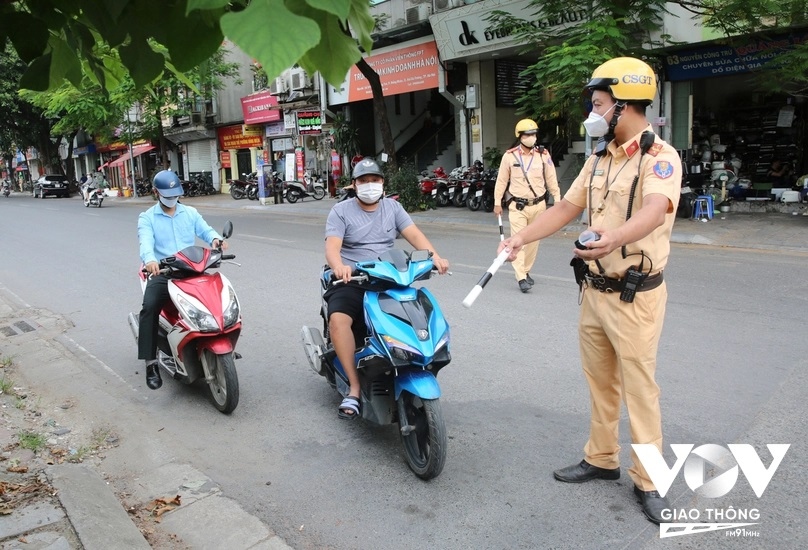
(519, 219)
(618, 351)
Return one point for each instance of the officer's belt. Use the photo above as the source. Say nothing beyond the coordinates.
(607, 284)
(530, 202)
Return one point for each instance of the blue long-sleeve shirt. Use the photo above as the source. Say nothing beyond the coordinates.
(161, 235)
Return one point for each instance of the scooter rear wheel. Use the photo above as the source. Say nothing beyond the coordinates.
(425, 446)
(223, 386)
(291, 196)
(237, 192)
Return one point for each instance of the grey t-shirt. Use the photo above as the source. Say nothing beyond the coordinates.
(365, 235)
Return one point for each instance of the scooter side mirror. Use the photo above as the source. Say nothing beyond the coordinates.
(228, 230)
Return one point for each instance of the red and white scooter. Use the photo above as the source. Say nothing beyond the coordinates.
(201, 324)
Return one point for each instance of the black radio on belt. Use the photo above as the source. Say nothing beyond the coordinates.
(631, 283)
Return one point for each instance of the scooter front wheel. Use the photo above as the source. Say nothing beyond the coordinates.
(425, 444)
(318, 193)
(223, 383)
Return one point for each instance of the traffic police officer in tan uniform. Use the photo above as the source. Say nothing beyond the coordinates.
(630, 188)
(532, 176)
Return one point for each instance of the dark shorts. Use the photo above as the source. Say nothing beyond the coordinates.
(348, 299)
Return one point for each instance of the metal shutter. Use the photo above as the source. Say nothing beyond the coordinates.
(199, 156)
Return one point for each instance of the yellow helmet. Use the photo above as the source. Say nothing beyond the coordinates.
(626, 78)
(526, 126)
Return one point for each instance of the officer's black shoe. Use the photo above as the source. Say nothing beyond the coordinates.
(153, 379)
(652, 504)
(584, 471)
(529, 279)
(524, 286)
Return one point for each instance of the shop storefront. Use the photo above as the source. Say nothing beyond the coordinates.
(729, 131)
(242, 148)
(422, 120)
(494, 63)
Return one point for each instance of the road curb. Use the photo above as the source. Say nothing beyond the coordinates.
(93, 509)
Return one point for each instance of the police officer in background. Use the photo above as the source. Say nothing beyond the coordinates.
(529, 175)
(630, 188)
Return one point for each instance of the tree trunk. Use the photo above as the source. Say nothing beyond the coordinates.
(70, 168)
(380, 111)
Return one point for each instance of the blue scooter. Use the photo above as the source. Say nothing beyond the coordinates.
(407, 343)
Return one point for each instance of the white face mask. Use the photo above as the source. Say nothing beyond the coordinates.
(528, 141)
(596, 125)
(369, 193)
(169, 202)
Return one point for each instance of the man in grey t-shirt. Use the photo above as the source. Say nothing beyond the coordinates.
(357, 230)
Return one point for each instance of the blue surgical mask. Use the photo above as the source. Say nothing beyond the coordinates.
(169, 202)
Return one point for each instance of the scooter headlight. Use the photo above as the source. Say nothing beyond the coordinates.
(232, 311)
(401, 351)
(443, 341)
(198, 317)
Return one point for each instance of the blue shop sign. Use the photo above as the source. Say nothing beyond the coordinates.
(722, 60)
(85, 150)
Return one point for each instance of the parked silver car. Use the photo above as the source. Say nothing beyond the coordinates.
(52, 184)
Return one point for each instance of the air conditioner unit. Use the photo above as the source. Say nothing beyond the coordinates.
(418, 13)
(443, 5)
(278, 86)
(196, 118)
(299, 79)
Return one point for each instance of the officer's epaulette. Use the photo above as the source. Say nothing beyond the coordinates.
(655, 149)
(512, 150)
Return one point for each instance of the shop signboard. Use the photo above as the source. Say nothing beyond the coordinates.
(309, 122)
(224, 158)
(232, 137)
(277, 128)
(468, 30)
(401, 70)
(300, 163)
(260, 107)
(722, 60)
(252, 130)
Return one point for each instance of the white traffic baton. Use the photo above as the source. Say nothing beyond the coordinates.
(478, 288)
(501, 234)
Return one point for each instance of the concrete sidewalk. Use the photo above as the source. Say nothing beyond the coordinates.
(762, 230)
(75, 487)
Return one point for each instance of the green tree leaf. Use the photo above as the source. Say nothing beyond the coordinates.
(276, 51)
(145, 64)
(335, 53)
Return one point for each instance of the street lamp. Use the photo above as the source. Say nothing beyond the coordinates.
(131, 154)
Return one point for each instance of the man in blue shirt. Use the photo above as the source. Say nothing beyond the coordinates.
(163, 230)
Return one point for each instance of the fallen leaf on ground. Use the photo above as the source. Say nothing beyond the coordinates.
(160, 506)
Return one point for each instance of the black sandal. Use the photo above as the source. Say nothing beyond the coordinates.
(352, 404)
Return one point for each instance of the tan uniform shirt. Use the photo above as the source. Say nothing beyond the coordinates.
(540, 170)
(603, 188)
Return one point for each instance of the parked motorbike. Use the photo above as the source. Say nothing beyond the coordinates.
(437, 185)
(239, 188)
(309, 187)
(6, 188)
(481, 194)
(406, 345)
(200, 325)
(94, 196)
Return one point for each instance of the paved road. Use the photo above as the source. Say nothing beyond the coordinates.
(732, 360)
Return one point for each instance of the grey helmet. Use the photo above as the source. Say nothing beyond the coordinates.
(366, 166)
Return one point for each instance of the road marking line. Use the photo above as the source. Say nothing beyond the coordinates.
(262, 238)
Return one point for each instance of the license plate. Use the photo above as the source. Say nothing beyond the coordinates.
(57, 184)
(479, 193)
(434, 192)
